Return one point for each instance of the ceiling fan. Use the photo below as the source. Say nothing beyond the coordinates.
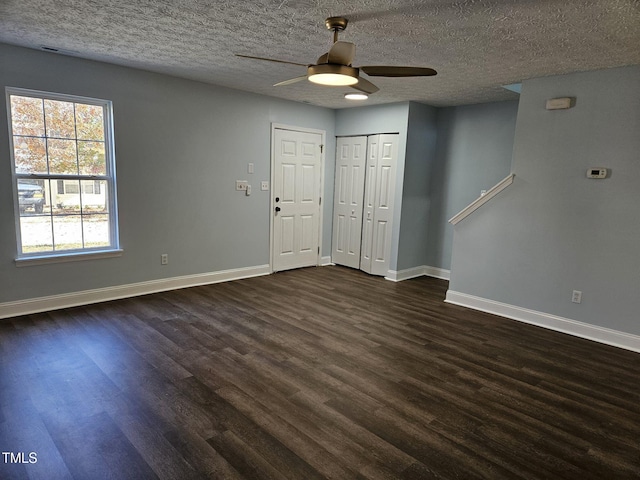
(334, 67)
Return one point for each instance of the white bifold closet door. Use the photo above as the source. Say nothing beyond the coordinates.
(351, 157)
(363, 203)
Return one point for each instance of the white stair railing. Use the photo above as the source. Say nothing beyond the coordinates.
(481, 200)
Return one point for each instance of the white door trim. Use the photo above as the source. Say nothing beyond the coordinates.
(323, 134)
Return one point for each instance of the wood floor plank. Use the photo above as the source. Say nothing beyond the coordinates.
(197, 452)
(243, 457)
(306, 447)
(24, 431)
(146, 431)
(96, 447)
(308, 374)
(365, 445)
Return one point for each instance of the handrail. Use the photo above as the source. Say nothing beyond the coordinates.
(481, 200)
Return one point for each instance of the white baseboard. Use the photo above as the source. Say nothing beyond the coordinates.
(436, 272)
(55, 302)
(424, 270)
(608, 336)
(326, 261)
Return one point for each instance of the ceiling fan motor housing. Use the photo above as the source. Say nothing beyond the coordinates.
(337, 24)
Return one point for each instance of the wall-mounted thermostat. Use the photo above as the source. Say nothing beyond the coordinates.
(597, 173)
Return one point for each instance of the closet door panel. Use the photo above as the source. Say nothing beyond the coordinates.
(382, 198)
(348, 201)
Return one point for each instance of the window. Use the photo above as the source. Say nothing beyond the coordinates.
(63, 174)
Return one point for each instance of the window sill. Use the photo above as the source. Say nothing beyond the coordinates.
(64, 258)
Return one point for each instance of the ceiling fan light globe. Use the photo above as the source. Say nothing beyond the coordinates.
(333, 79)
(356, 96)
(332, 75)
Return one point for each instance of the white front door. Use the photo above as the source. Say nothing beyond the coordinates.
(297, 162)
(378, 205)
(351, 157)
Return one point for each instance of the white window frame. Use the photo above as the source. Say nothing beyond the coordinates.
(113, 249)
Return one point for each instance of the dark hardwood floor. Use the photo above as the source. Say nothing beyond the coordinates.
(308, 374)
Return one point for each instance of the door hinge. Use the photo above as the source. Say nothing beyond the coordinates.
(320, 201)
(321, 147)
(318, 250)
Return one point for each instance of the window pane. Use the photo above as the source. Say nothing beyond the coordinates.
(62, 156)
(91, 158)
(27, 116)
(46, 207)
(67, 232)
(69, 201)
(33, 197)
(89, 122)
(59, 119)
(94, 200)
(30, 154)
(96, 230)
(36, 233)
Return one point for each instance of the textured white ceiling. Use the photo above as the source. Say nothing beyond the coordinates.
(475, 45)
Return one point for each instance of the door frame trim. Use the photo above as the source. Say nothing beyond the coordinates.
(323, 135)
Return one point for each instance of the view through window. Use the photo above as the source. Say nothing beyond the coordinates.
(63, 171)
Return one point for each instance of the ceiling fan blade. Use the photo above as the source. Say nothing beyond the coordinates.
(388, 71)
(290, 81)
(324, 58)
(272, 60)
(341, 53)
(365, 86)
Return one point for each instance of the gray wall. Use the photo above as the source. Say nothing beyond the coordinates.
(416, 195)
(390, 118)
(474, 152)
(180, 146)
(554, 230)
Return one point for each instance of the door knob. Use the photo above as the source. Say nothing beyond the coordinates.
(277, 199)
(277, 209)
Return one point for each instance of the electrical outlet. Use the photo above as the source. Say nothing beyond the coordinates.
(577, 296)
(164, 259)
(241, 185)
(264, 186)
